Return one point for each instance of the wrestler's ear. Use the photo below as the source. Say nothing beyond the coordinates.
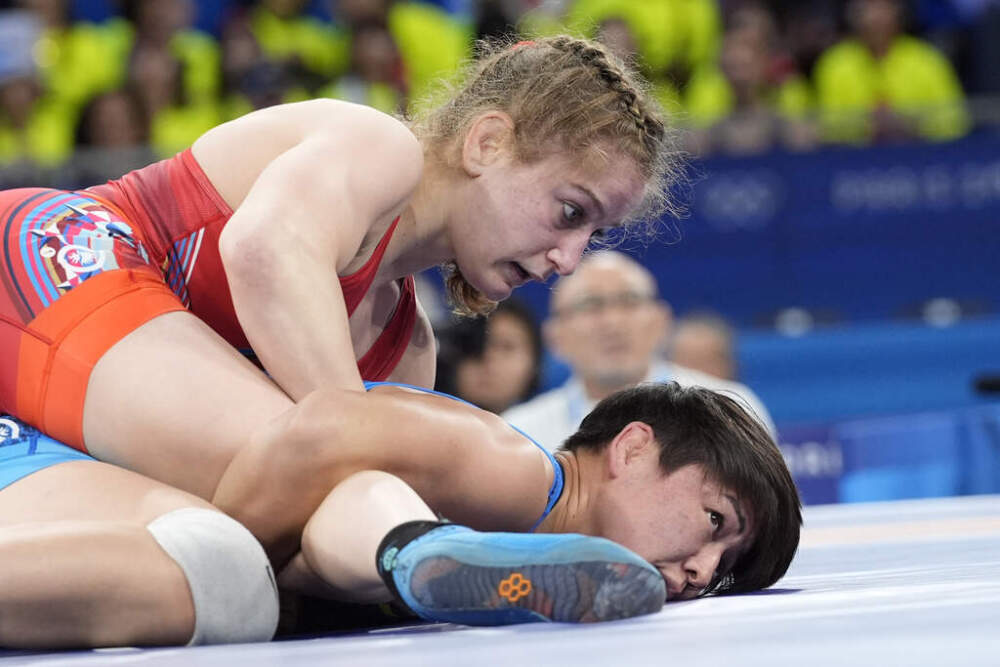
(635, 441)
(489, 139)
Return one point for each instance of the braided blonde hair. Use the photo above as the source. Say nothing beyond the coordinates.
(563, 94)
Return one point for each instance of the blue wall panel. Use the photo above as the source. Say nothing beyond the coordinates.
(863, 233)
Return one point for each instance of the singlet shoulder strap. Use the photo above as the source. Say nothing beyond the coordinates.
(378, 362)
(356, 285)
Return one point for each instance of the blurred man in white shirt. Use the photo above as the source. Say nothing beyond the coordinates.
(609, 324)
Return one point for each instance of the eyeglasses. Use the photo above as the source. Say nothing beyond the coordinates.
(596, 303)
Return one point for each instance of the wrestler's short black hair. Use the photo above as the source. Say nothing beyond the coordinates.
(694, 425)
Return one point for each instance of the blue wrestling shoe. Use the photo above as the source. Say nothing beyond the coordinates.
(454, 574)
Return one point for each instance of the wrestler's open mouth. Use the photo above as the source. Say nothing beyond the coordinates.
(522, 274)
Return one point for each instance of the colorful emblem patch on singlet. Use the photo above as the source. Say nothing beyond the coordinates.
(25, 450)
(53, 241)
(16, 432)
(10, 431)
(78, 243)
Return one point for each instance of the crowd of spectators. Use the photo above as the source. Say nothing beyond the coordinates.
(84, 99)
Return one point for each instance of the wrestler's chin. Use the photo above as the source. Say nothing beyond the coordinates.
(495, 287)
(500, 294)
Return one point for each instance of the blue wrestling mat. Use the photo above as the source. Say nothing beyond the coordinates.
(900, 583)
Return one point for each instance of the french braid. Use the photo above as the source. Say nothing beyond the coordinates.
(590, 53)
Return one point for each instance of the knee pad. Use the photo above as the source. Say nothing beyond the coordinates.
(230, 577)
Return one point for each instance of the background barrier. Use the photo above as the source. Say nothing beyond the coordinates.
(847, 234)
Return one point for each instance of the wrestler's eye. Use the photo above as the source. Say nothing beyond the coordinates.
(571, 212)
(598, 235)
(717, 520)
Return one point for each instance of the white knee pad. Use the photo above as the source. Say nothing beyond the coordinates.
(230, 577)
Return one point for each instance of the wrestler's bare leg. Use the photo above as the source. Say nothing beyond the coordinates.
(80, 568)
(341, 539)
(173, 401)
(89, 584)
(459, 575)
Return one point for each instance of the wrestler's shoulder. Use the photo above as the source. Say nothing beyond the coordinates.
(336, 119)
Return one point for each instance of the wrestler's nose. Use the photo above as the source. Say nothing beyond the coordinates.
(700, 567)
(566, 255)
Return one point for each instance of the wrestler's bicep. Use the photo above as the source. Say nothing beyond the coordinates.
(325, 192)
(465, 464)
(476, 470)
(507, 490)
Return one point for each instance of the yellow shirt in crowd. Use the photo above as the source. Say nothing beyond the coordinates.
(913, 79)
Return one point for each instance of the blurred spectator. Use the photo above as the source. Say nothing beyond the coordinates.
(267, 84)
(808, 29)
(239, 53)
(616, 34)
(164, 27)
(674, 37)
(497, 18)
(312, 50)
(174, 120)
(71, 57)
(33, 129)
(249, 79)
(376, 76)
(36, 130)
(538, 18)
(608, 324)
(112, 120)
(432, 43)
(493, 362)
(704, 342)
(703, 23)
(754, 98)
(882, 85)
(112, 138)
(172, 68)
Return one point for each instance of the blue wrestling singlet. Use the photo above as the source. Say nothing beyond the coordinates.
(24, 450)
(557, 481)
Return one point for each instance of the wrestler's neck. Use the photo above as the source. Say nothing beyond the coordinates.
(575, 510)
(422, 237)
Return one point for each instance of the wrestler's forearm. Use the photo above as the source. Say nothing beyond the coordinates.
(275, 483)
(273, 501)
(254, 494)
(291, 306)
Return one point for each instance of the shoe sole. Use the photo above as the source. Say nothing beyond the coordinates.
(510, 580)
